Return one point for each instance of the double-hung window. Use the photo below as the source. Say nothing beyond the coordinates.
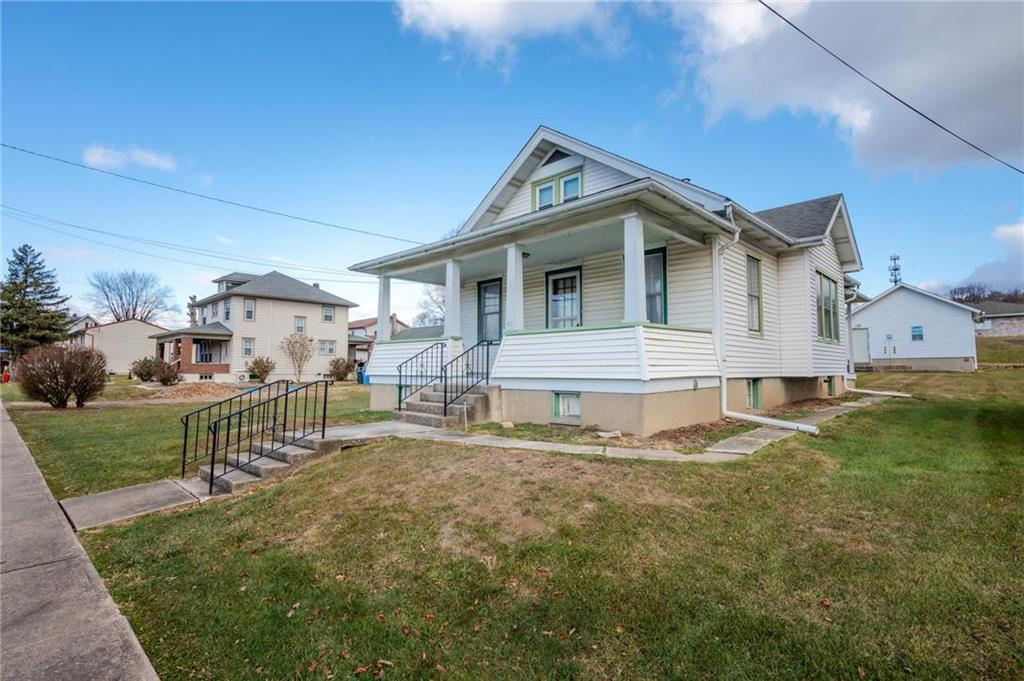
(917, 333)
(249, 313)
(755, 323)
(300, 325)
(654, 276)
(327, 314)
(327, 347)
(565, 299)
(213, 310)
(227, 309)
(248, 347)
(828, 308)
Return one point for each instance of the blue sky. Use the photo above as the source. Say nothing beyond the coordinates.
(399, 118)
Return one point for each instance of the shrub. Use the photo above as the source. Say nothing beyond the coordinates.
(262, 366)
(339, 368)
(168, 374)
(145, 369)
(54, 374)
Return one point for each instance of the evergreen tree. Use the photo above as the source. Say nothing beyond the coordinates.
(31, 305)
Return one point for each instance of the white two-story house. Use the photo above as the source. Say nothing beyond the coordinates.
(249, 316)
(590, 289)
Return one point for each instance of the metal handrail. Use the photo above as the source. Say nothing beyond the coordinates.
(196, 423)
(424, 368)
(466, 371)
(233, 437)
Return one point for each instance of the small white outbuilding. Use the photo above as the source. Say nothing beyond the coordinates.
(908, 327)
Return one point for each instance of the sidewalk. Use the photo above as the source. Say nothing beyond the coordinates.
(57, 620)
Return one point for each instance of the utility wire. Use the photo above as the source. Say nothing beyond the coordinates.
(151, 255)
(889, 92)
(178, 247)
(208, 197)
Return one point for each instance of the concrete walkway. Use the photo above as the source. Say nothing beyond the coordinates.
(57, 620)
(103, 508)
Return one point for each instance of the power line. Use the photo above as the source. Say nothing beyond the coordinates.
(179, 247)
(208, 197)
(152, 255)
(889, 92)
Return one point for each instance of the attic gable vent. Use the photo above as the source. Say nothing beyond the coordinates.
(556, 155)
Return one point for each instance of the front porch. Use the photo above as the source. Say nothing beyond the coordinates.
(201, 352)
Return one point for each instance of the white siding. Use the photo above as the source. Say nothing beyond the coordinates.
(948, 330)
(596, 177)
(671, 353)
(386, 356)
(827, 357)
(750, 353)
(123, 342)
(275, 319)
(690, 296)
(794, 320)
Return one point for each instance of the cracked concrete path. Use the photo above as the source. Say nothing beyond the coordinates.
(103, 508)
(57, 620)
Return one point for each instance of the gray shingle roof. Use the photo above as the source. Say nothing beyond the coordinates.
(282, 287)
(213, 329)
(998, 307)
(804, 219)
(419, 333)
(237, 276)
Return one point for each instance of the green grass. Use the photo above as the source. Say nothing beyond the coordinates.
(81, 451)
(118, 388)
(423, 560)
(1000, 349)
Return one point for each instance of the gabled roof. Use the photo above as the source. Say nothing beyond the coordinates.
(370, 321)
(541, 144)
(281, 287)
(211, 330)
(804, 219)
(419, 333)
(236, 276)
(997, 308)
(913, 289)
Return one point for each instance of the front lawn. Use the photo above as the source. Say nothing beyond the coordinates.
(117, 388)
(81, 451)
(889, 546)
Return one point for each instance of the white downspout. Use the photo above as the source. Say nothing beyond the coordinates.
(723, 364)
(849, 340)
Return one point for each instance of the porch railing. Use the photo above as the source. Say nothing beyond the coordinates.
(466, 371)
(195, 445)
(422, 369)
(261, 429)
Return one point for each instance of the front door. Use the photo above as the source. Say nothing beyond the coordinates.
(488, 310)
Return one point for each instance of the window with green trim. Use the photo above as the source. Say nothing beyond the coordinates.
(554, 189)
(655, 282)
(753, 393)
(565, 298)
(755, 321)
(546, 195)
(488, 310)
(565, 405)
(570, 187)
(828, 308)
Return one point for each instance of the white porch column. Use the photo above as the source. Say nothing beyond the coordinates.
(634, 283)
(384, 308)
(514, 315)
(453, 289)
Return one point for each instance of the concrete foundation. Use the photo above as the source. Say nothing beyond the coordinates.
(776, 391)
(966, 364)
(383, 396)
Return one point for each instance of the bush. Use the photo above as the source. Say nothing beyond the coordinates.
(54, 374)
(145, 369)
(262, 366)
(168, 374)
(339, 368)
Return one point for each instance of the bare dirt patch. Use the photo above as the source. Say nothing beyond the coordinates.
(197, 390)
(696, 435)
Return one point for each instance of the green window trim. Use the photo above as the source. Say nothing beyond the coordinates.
(480, 308)
(757, 330)
(828, 332)
(753, 393)
(578, 269)
(663, 251)
(556, 409)
(556, 181)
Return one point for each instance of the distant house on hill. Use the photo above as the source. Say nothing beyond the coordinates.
(1001, 319)
(250, 315)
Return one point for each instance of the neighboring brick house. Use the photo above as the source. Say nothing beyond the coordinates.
(1001, 319)
(250, 315)
(363, 332)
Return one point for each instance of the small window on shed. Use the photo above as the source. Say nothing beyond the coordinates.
(917, 333)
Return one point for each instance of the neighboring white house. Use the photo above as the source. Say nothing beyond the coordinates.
(81, 323)
(249, 316)
(908, 327)
(600, 291)
(1001, 319)
(121, 342)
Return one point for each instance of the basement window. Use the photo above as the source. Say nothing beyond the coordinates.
(565, 407)
(205, 377)
(753, 393)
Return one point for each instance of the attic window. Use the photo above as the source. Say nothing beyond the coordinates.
(546, 195)
(556, 155)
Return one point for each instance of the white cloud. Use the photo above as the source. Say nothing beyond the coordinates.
(491, 29)
(1007, 273)
(108, 158)
(959, 62)
(72, 254)
(224, 239)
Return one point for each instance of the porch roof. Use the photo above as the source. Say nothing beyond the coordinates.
(211, 330)
(562, 229)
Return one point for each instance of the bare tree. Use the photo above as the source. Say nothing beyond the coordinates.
(970, 292)
(431, 306)
(130, 295)
(299, 349)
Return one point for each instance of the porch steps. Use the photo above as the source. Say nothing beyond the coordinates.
(270, 465)
(426, 408)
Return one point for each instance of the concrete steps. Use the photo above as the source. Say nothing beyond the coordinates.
(262, 464)
(426, 408)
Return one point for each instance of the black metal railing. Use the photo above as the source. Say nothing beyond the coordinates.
(261, 429)
(422, 369)
(195, 445)
(466, 371)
